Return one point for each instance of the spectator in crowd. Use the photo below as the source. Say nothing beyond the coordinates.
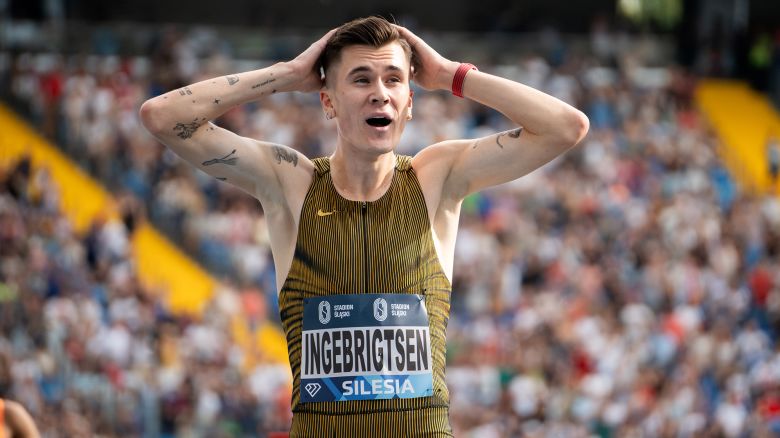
(773, 161)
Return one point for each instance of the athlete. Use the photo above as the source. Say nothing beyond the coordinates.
(364, 239)
(15, 421)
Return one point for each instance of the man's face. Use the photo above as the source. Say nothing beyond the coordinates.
(369, 92)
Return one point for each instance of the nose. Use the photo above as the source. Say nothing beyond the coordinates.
(379, 94)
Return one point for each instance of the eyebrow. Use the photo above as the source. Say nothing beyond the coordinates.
(363, 69)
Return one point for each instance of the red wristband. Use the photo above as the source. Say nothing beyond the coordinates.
(459, 78)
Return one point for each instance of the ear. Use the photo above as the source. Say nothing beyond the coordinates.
(411, 98)
(325, 100)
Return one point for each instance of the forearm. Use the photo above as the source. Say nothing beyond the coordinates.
(538, 113)
(180, 111)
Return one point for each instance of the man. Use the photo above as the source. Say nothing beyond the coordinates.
(15, 421)
(365, 239)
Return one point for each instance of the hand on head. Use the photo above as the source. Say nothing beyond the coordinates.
(305, 66)
(431, 71)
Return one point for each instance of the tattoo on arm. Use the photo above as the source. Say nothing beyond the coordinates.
(220, 178)
(265, 82)
(232, 79)
(185, 91)
(228, 159)
(186, 129)
(513, 134)
(288, 155)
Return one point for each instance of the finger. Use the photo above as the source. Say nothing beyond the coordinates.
(318, 46)
(327, 36)
(408, 35)
(402, 29)
(320, 43)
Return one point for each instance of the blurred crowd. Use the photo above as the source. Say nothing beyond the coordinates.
(90, 352)
(629, 288)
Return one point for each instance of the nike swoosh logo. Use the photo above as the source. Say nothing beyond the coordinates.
(325, 213)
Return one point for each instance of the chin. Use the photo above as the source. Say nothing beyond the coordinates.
(383, 146)
(379, 144)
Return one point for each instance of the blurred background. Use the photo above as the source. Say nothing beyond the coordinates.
(630, 288)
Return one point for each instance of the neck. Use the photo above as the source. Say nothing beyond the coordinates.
(359, 177)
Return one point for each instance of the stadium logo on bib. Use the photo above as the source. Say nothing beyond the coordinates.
(380, 309)
(313, 388)
(324, 312)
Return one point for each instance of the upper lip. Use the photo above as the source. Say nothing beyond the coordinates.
(379, 115)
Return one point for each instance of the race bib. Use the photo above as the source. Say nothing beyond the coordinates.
(365, 347)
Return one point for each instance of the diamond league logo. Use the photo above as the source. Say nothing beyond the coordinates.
(324, 312)
(380, 309)
(313, 388)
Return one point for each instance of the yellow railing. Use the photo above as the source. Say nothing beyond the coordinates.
(745, 121)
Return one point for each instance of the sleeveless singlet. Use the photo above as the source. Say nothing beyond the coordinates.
(380, 247)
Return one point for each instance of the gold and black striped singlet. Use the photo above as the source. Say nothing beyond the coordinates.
(352, 247)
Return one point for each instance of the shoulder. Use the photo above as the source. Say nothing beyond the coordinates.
(434, 163)
(19, 420)
(293, 173)
(14, 411)
(441, 154)
(11, 407)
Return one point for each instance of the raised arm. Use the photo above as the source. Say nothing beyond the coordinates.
(181, 120)
(546, 128)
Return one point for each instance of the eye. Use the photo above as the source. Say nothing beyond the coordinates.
(361, 81)
(394, 79)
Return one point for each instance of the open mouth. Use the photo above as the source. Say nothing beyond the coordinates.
(378, 122)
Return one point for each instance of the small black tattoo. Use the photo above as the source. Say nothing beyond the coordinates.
(232, 79)
(475, 144)
(216, 101)
(285, 154)
(514, 134)
(227, 159)
(184, 91)
(265, 82)
(186, 129)
(274, 90)
(220, 178)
